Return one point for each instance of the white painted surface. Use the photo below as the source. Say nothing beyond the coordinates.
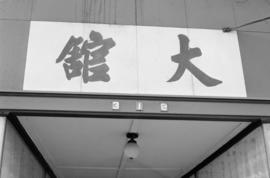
(2, 133)
(164, 107)
(115, 105)
(140, 63)
(85, 147)
(220, 59)
(44, 74)
(156, 45)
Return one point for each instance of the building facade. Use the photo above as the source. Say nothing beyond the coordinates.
(44, 132)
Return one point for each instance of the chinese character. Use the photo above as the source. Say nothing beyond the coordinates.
(183, 60)
(93, 53)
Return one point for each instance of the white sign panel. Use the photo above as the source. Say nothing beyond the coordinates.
(98, 58)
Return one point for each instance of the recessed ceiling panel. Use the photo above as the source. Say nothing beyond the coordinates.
(93, 147)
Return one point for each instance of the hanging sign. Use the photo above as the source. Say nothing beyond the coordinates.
(117, 59)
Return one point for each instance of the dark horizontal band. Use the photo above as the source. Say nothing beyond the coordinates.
(137, 97)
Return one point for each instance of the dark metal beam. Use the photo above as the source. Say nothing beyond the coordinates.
(131, 115)
(229, 29)
(30, 144)
(180, 108)
(224, 148)
(136, 97)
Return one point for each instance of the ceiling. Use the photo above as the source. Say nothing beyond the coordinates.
(89, 147)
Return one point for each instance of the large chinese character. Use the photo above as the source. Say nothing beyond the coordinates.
(72, 65)
(93, 53)
(183, 60)
(101, 49)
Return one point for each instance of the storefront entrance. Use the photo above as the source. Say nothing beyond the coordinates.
(95, 147)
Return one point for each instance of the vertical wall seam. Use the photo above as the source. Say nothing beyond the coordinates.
(266, 149)
(3, 143)
(186, 14)
(234, 12)
(31, 10)
(115, 11)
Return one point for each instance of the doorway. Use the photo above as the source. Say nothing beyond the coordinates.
(94, 147)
